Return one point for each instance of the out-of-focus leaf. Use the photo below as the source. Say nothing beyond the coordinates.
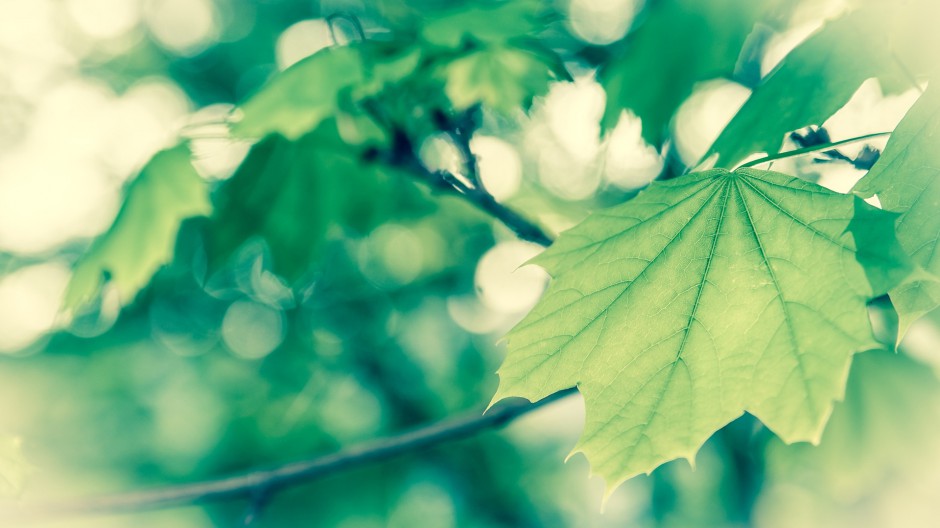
(297, 100)
(167, 191)
(292, 192)
(880, 443)
(490, 23)
(906, 180)
(502, 78)
(704, 297)
(813, 82)
(14, 468)
(679, 43)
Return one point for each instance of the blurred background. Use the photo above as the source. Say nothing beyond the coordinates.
(398, 324)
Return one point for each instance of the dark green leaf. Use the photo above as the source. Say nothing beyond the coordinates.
(679, 43)
(813, 82)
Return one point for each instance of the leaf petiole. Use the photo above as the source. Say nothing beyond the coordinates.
(813, 148)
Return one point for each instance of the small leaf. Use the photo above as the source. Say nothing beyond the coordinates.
(502, 78)
(906, 180)
(702, 298)
(297, 100)
(167, 191)
(813, 82)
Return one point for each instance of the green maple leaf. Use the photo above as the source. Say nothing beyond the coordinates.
(167, 191)
(712, 36)
(907, 180)
(704, 297)
(814, 81)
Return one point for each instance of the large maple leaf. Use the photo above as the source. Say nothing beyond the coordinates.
(704, 297)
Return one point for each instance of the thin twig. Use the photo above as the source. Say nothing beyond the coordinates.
(864, 160)
(814, 148)
(403, 156)
(262, 483)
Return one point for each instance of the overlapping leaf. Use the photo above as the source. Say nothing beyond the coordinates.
(679, 43)
(813, 82)
(906, 180)
(704, 297)
(891, 400)
(166, 192)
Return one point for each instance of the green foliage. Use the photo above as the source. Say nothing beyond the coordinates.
(813, 82)
(702, 298)
(291, 193)
(906, 180)
(679, 43)
(167, 191)
(705, 297)
(502, 78)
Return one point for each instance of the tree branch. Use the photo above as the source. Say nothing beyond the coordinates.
(262, 483)
(259, 485)
(403, 156)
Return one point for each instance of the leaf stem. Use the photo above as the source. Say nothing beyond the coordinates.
(814, 148)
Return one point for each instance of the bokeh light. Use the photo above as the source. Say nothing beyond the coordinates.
(29, 303)
(252, 330)
(302, 40)
(504, 283)
(499, 166)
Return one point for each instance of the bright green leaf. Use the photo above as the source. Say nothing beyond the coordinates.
(680, 43)
(907, 180)
(813, 82)
(167, 191)
(502, 78)
(704, 297)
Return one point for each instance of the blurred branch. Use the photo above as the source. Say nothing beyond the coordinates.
(259, 485)
(265, 482)
(403, 155)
